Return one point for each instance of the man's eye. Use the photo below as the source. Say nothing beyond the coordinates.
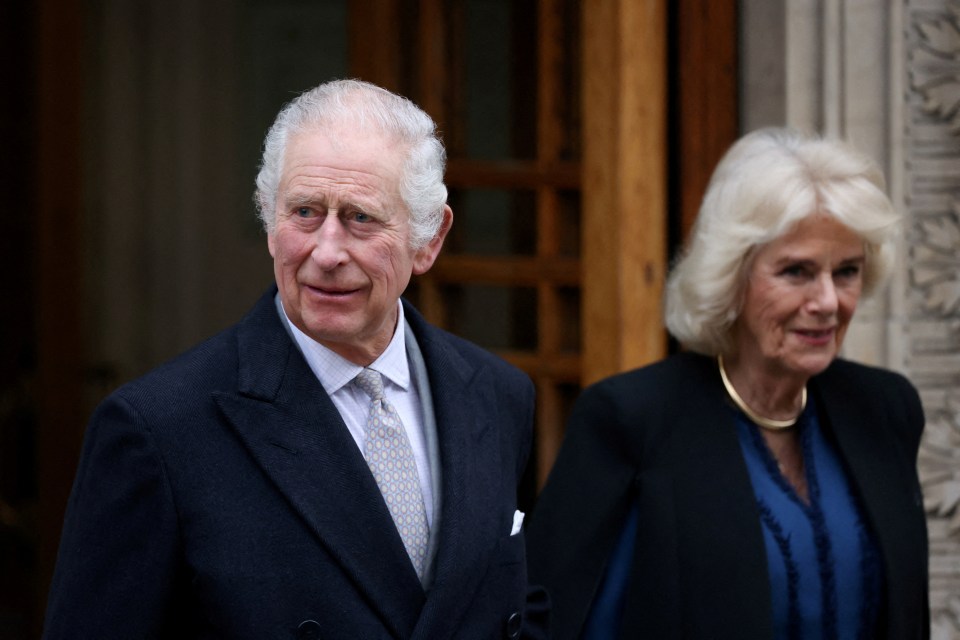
(360, 216)
(304, 212)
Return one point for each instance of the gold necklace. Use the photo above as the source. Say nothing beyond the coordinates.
(766, 423)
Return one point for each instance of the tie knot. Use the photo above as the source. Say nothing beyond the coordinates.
(371, 383)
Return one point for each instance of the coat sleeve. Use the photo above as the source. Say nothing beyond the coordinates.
(116, 567)
(579, 514)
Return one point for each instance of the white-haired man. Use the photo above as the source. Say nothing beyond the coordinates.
(331, 466)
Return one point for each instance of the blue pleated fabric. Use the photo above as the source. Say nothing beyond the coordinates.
(825, 571)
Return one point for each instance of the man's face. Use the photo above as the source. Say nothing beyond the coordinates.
(341, 245)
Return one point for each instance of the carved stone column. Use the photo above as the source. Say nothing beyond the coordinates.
(930, 181)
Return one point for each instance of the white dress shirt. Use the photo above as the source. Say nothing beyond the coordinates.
(335, 373)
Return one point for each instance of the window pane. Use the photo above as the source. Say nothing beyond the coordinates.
(493, 222)
(500, 91)
(493, 317)
(569, 70)
(569, 300)
(569, 223)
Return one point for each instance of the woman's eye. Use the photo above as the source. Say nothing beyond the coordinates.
(851, 271)
(794, 271)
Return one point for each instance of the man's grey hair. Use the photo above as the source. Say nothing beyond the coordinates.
(365, 107)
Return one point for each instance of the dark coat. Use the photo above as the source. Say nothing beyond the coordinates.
(661, 437)
(221, 496)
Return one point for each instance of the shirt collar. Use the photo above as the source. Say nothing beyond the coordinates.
(334, 371)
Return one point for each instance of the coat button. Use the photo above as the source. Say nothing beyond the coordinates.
(308, 630)
(514, 622)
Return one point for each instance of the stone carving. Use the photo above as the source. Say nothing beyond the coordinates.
(935, 268)
(936, 72)
(945, 623)
(940, 463)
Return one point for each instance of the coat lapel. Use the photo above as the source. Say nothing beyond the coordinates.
(859, 420)
(297, 437)
(862, 440)
(466, 417)
(715, 507)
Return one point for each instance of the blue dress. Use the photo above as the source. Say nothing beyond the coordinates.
(824, 566)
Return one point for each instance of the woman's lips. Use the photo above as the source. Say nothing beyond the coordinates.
(816, 336)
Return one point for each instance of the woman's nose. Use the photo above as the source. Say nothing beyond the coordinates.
(824, 294)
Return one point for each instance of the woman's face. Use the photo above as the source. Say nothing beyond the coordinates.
(800, 295)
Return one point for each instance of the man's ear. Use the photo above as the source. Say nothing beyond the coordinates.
(425, 256)
(271, 245)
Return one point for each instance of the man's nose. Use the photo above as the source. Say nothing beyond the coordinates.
(330, 249)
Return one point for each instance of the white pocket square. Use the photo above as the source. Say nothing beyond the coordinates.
(517, 522)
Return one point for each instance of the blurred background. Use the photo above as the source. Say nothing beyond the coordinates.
(580, 138)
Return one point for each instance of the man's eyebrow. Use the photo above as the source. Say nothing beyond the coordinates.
(306, 197)
(299, 197)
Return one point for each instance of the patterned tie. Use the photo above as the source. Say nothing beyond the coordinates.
(390, 457)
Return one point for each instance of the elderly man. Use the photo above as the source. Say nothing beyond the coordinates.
(331, 466)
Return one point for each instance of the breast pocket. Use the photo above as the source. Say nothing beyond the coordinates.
(512, 550)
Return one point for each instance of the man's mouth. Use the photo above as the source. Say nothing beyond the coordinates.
(332, 291)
